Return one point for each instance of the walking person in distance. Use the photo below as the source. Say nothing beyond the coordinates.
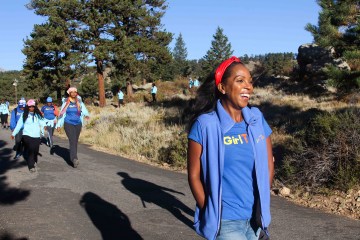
(50, 112)
(153, 92)
(230, 163)
(4, 111)
(16, 114)
(32, 124)
(71, 116)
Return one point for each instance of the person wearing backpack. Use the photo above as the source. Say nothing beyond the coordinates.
(50, 112)
(32, 123)
(15, 116)
(71, 116)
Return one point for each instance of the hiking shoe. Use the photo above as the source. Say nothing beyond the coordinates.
(32, 170)
(17, 156)
(76, 163)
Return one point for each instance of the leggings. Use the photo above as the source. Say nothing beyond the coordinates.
(4, 119)
(73, 133)
(32, 148)
(50, 131)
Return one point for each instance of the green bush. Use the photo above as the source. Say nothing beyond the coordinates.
(176, 153)
(327, 152)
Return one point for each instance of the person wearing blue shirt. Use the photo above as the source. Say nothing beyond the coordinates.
(15, 116)
(230, 162)
(120, 97)
(71, 116)
(32, 124)
(50, 113)
(4, 111)
(153, 92)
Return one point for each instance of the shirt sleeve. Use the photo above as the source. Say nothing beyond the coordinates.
(267, 128)
(195, 132)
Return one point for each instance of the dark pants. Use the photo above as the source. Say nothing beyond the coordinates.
(32, 148)
(18, 147)
(73, 133)
(50, 131)
(154, 97)
(4, 119)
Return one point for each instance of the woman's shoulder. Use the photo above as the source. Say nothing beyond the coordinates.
(208, 119)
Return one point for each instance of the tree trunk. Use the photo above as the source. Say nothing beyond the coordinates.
(100, 75)
(129, 89)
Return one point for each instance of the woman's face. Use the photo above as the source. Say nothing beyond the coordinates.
(73, 94)
(31, 108)
(238, 87)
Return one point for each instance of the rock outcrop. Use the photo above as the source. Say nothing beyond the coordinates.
(313, 58)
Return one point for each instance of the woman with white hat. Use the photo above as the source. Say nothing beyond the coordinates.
(32, 123)
(71, 116)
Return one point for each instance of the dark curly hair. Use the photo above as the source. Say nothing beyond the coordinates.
(36, 113)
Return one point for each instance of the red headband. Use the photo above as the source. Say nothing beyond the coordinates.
(222, 67)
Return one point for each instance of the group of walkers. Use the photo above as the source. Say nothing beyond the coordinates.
(28, 125)
(230, 160)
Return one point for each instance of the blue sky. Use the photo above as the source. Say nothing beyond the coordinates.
(252, 27)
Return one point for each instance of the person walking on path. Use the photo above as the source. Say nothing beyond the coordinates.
(50, 112)
(71, 116)
(153, 92)
(4, 111)
(32, 123)
(121, 98)
(15, 116)
(230, 162)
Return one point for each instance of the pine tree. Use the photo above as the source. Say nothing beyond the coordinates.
(338, 25)
(219, 51)
(180, 64)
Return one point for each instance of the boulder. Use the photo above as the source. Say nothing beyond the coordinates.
(312, 59)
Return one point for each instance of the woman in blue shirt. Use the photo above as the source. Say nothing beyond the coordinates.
(50, 113)
(71, 116)
(32, 124)
(230, 162)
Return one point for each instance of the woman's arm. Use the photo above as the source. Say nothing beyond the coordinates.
(270, 160)
(194, 173)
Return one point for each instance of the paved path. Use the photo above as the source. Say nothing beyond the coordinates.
(109, 197)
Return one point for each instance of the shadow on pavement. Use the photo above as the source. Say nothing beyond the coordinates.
(111, 222)
(9, 195)
(61, 152)
(8, 236)
(152, 193)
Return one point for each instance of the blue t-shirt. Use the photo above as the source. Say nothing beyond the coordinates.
(238, 180)
(72, 114)
(48, 112)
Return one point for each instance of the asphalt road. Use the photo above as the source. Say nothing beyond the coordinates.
(109, 197)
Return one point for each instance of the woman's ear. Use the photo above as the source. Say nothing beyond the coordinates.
(221, 89)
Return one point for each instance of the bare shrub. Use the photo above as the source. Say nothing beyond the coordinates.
(327, 153)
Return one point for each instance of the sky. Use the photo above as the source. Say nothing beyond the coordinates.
(252, 27)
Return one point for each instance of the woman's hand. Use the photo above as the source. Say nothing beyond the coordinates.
(12, 137)
(87, 117)
(58, 129)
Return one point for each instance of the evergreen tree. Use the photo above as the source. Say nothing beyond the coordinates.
(180, 64)
(219, 51)
(338, 25)
(126, 33)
